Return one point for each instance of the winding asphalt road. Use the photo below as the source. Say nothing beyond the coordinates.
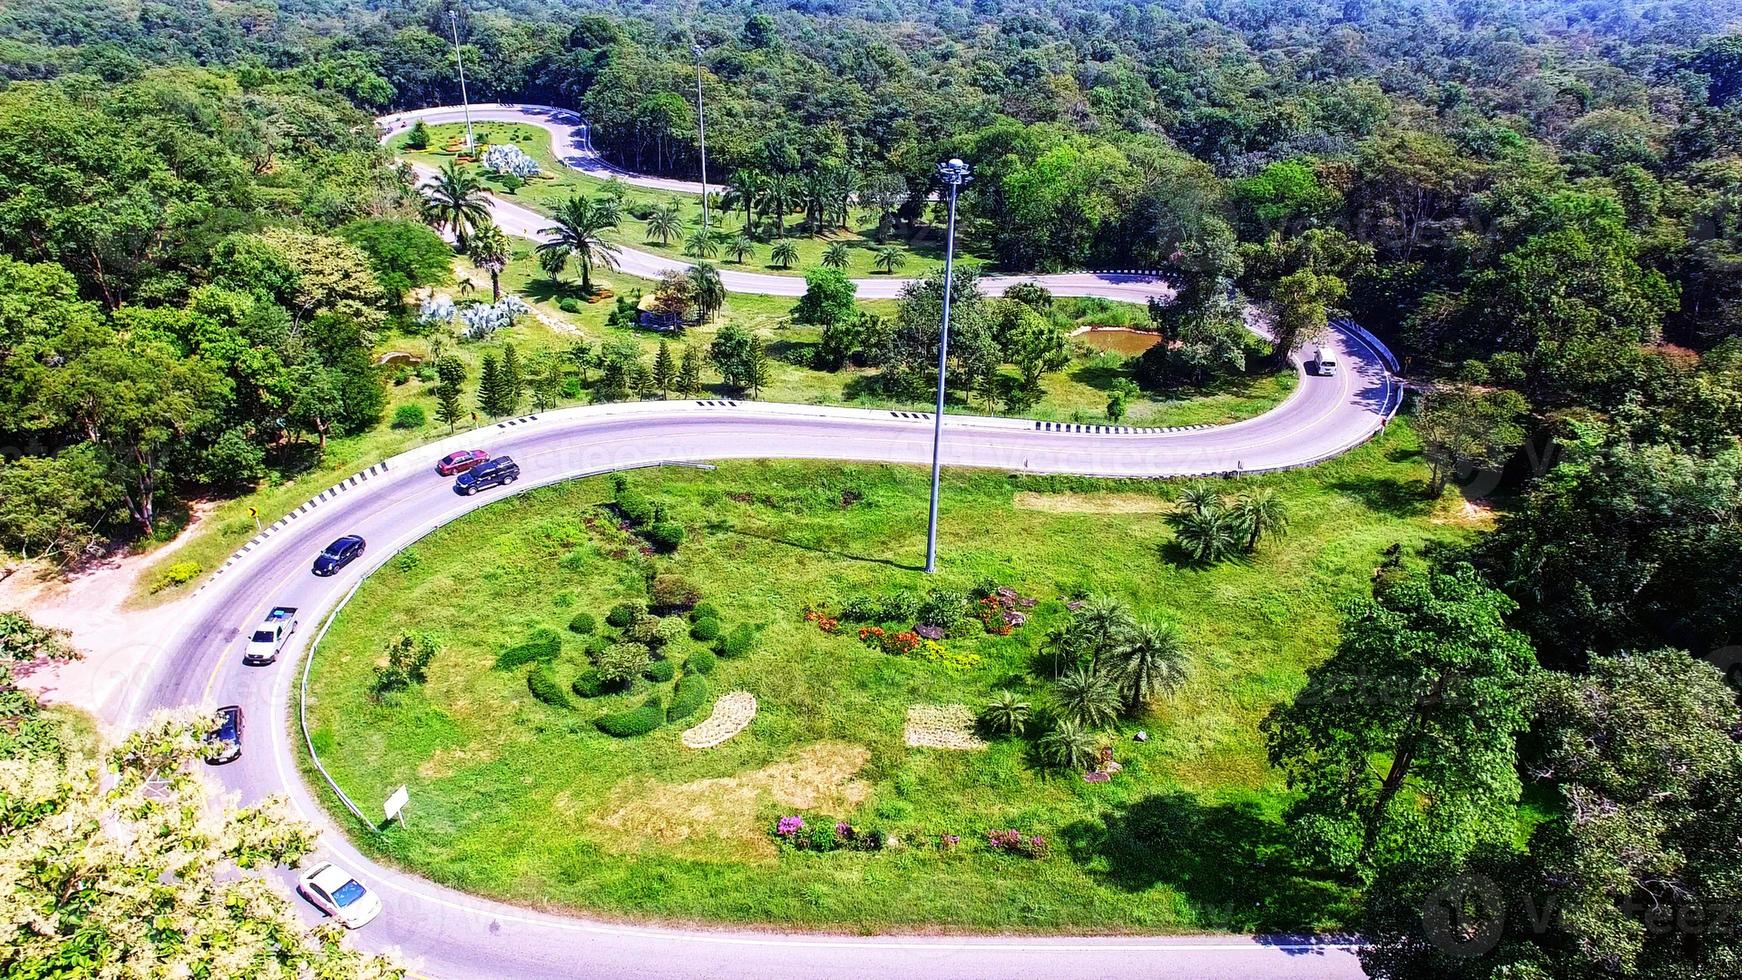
(443, 932)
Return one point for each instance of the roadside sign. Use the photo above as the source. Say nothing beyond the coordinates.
(396, 803)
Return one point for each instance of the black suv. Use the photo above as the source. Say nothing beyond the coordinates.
(498, 472)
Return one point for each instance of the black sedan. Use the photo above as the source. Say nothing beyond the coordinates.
(225, 738)
(339, 554)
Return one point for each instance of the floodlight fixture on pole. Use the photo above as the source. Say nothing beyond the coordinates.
(702, 138)
(465, 103)
(954, 173)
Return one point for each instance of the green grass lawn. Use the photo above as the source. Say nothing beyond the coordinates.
(559, 182)
(517, 799)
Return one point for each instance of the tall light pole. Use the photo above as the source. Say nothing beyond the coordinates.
(702, 138)
(955, 173)
(465, 103)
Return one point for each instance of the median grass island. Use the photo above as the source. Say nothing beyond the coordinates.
(732, 695)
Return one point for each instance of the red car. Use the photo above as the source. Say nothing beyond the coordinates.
(461, 461)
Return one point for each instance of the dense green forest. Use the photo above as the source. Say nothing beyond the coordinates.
(1538, 204)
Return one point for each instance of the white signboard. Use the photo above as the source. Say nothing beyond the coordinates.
(396, 803)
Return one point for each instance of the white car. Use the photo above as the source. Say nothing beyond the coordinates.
(335, 892)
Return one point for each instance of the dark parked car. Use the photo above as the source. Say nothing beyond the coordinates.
(460, 462)
(498, 472)
(339, 554)
(226, 736)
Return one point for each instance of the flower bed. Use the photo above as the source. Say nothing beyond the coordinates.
(732, 714)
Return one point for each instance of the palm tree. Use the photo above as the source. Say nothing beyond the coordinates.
(889, 258)
(1006, 713)
(815, 191)
(701, 244)
(1261, 514)
(777, 200)
(837, 255)
(489, 250)
(453, 200)
(552, 264)
(1102, 624)
(710, 291)
(1087, 697)
(664, 223)
(745, 191)
(1068, 746)
(783, 254)
(1208, 536)
(741, 247)
(1199, 496)
(1151, 662)
(610, 207)
(578, 234)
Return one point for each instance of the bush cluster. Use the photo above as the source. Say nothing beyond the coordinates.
(644, 630)
(624, 613)
(737, 643)
(543, 644)
(636, 721)
(541, 681)
(660, 671)
(943, 608)
(646, 516)
(621, 662)
(692, 691)
(591, 684)
(895, 607)
(409, 417)
(664, 535)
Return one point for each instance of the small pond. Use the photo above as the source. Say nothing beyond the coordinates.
(1119, 340)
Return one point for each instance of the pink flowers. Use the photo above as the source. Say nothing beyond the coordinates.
(1015, 842)
(789, 826)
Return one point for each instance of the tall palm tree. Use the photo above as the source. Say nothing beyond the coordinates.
(889, 258)
(1006, 712)
(815, 191)
(1261, 514)
(489, 250)
(1102, 624)
(837, 255)
(579, 234)
(741, 247)
(783, 254)
(710, 291)
(744, 192)
(777, 200)
(1068, 746)
(453, 200)
(1208, 536)
(1151, 662)
(664, 224)
(701, 244)
(844, 183)
(1087, 696)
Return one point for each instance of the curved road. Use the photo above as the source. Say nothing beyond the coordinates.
(443, 932)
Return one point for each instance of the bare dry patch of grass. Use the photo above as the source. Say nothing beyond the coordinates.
(720, 818)
(1091, 503)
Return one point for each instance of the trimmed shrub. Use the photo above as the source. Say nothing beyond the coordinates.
(590, 684)
(542, 683)
(621, 662)
(736, 643)
(942, 608)
(692, 691)
(660, 671)
(704, 610)
(700, 662)
(410, 417)
(543, 645)
(597, 644)
(624, 613)
(583, 623)
(665, 535)
(672, 592)
(636, 721)
(635, 507)
(706, 630)
(670, 630)
(645, 629)
(568, 304)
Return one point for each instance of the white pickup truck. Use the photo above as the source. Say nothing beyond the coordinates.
(270, 636)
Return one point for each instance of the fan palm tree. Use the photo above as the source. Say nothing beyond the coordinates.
(837, 255)
(1208, 536)
(578, 235)
(889, 258)
(783, 254)
(664, 224)
(710, 291)
(1006, 713)
(489, 250)
(701, 244)
(1261, 514)
(1087, 696)
(1068, 746)
(453, 201)
(1102, 624)
(1151, 662)
(741, 247)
